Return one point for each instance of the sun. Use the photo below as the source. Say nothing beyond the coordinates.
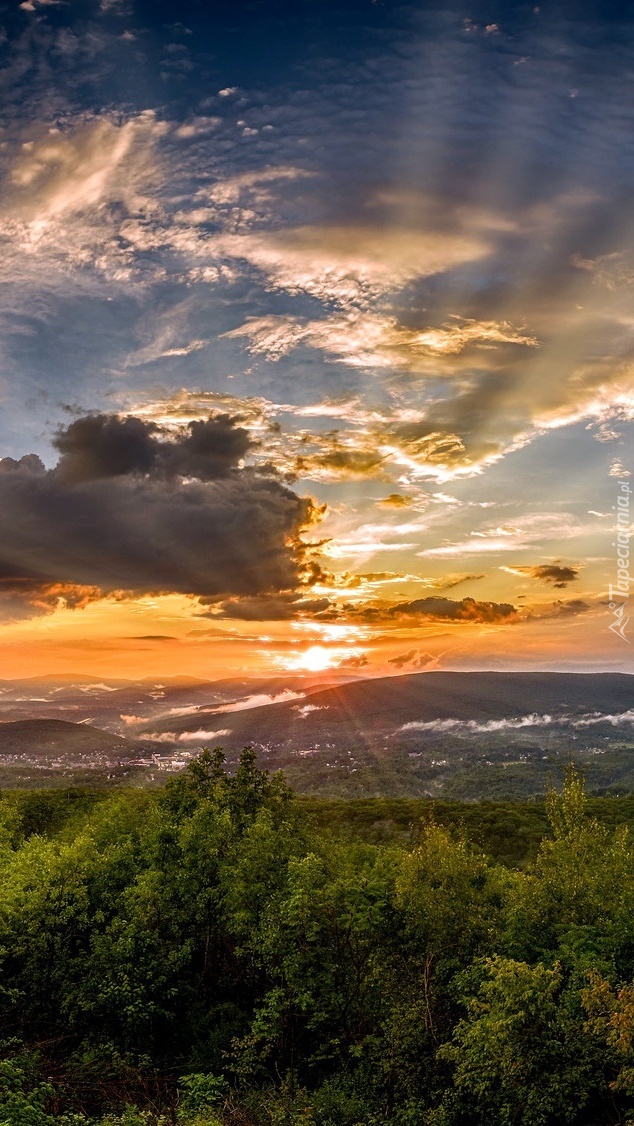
(315, 659)
(319, 658)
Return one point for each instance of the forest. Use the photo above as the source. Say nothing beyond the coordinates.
(224, 953)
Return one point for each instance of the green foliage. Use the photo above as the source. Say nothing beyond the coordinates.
(199, 1094)
(450, 895)
(577, 899)
(523, 1056)
(132, 1116)
(222, 953)
(23, 1101)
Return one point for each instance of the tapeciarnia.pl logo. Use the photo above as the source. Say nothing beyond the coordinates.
(619, 595)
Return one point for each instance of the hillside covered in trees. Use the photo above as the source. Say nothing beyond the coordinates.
(222, 952)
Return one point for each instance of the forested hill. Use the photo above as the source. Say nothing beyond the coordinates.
(464, 735)
(459, 735)
(376, 707)
(56, 738)
(210, 955)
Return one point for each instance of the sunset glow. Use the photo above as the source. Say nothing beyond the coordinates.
(315, 659)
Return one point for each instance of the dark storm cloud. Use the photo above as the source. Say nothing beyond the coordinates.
(151, 528)
(110, 446)
(17, 605)
(30, 463)
(25, 596)
(105, 446)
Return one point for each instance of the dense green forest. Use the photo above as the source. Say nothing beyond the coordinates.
(223, 952)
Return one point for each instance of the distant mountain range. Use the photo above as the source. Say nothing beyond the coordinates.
(116, 704)
(458, 734)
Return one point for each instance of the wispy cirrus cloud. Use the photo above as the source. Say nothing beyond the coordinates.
(366, 340)
(533, 529)
(67, 190)
(351, 264)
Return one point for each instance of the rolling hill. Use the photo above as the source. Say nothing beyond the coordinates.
(468, 734)
(464, 735)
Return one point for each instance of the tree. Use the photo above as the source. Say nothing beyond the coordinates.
(522, 1057)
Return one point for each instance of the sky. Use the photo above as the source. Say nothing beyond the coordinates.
(316, 336)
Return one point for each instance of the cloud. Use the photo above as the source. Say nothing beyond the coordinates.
(81, 203)
(22, 597)
(100, 446)
(616, 720)
(267, 607)
(377, 578)
(190, 405)
(418, 659)
(353, 662)
(152, 637)
(367, 340)
(60, 173)
(570, 609)
(378, 444)
(368, 539)
(439, 326)
(341, 459)
(448, 610)
(531, 530)
(554, 573)
(447, 582)
(471, 726)
(378, 447)
(348, 581)
(33, 5)
(396, 500)
(70, 189)
(260, 699)
(256, 184)
(613, 270)
(195, 737)
(518, 723)
(350, 264)
(184, 517)
(617, 469)
(403, 659)
(217, 633)
(430, 609)
(498, 399)
(164, 348)
(199, 126)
